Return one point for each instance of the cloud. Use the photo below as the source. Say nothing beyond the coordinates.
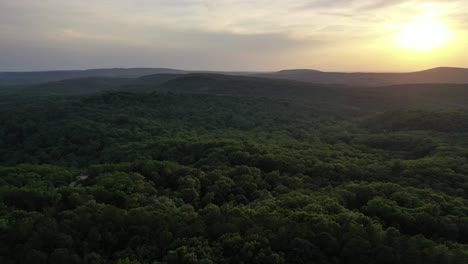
(381, 4)
(215, 33)
(352, 4)
(73, 49)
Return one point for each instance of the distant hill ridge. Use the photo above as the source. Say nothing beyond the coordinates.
(51, 76)
(431, 76)
(440, 75)
(36, 77)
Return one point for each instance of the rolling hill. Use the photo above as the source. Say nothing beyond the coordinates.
(440, 75)
(349, 100)
(52, 76)
(18, 78)
(436, 75)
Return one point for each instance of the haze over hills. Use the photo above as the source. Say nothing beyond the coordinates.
(52, 76)
(436, 75)
(331, 97)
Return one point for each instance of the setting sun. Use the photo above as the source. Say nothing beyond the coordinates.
(425, 33)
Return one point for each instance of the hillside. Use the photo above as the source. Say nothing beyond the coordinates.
(442, 75)
(438, 75)
(343, 99)
(52, 76)
(20, 78)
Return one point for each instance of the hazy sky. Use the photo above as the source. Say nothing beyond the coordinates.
(341, 35)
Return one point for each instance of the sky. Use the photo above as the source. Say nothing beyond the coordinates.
(231, 35)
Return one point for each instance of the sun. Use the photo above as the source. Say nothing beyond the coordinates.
(425, 33)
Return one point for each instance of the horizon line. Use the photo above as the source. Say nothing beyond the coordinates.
(228, 71)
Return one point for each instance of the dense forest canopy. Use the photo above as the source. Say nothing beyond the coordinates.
(205, 168)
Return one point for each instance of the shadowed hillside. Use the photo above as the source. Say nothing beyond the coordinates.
(349, 100)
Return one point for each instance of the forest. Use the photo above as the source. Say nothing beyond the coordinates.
(205, 168)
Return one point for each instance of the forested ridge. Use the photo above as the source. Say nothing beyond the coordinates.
(216, 169)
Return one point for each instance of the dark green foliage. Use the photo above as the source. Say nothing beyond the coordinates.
(171, 178)
(443, 121)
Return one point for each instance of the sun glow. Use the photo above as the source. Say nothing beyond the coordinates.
(423, 34)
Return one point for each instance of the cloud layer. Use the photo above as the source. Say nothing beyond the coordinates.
(216, 34)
